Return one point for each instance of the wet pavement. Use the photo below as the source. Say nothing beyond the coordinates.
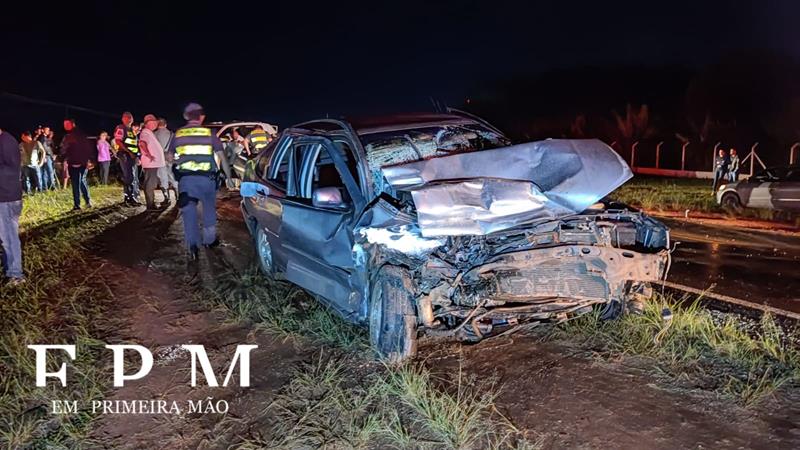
(757, 266)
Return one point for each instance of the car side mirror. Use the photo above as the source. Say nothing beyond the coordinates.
(250, 189)
(328, 197)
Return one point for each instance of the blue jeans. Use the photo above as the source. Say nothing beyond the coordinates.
(48, 175)
(9, 237)
(31, 179)
(77, 176)
(733, 176)
(194, 189)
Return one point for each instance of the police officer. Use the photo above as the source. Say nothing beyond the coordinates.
(127, 145)
(257, 140)
(196, 152)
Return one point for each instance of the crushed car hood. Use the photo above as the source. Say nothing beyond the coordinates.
(482, 192)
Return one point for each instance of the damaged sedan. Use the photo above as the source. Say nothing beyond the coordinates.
(437, 224)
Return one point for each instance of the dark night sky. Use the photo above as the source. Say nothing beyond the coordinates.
(292, 61)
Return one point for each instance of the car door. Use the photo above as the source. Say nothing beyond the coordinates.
(786, 191)
(756, 192)
(317, 237)
(273, 175)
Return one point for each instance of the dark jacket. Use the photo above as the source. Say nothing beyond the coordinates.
(77, 148)
(10, 169)
(721, 164)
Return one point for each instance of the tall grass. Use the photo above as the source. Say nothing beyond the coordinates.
(61, 303)
(727, 358)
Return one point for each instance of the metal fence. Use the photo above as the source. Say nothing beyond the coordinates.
(751, 162)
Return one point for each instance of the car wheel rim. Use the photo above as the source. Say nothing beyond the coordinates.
(264, 251)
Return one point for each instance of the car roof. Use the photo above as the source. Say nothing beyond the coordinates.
(398, 122)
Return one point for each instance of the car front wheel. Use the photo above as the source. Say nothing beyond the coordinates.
(392, 319)
(731, 201)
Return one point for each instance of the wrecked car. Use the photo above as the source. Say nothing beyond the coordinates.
(437, 224)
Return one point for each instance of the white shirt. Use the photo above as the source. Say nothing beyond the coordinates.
(153, 158)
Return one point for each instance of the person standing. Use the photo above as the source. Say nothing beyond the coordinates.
(103, 157)
(196, 152)
(152, 158)
(77, 154)
(48, 175)
(127, 145)
(10, 207)
(733, 169)
(165, 176)
(721, 164)
(32, 154)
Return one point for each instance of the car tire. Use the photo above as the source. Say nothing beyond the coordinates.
(392, 318)
(263, 251)
(731, 201)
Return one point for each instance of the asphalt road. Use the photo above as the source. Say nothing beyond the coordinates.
(757, 266)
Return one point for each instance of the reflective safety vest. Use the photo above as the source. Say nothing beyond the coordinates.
(131, 141)
(259, 139)
(194, 152)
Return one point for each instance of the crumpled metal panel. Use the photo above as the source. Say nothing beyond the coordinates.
(481, 206)
(475, 193)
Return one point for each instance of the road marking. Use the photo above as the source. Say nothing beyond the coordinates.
(735, 301)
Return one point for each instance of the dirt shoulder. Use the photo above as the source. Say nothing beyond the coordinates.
(548, 389)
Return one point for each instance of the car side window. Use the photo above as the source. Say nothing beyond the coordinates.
(278, 173)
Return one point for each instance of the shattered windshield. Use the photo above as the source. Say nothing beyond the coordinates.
(404, 146)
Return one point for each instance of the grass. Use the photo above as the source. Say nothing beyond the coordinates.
(327, 405)
(284, 309)
(46, 310)
(746, 365)
(680, 194)
(667, 194)
(404, 407)
(45, 207)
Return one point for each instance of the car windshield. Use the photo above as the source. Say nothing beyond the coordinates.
(403, 146)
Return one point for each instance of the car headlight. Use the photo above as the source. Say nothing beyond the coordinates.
(722, 187)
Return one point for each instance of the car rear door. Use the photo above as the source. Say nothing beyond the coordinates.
(318, 240)
(786, 191)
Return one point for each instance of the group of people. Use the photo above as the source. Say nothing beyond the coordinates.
(186, 162)
(726, 168)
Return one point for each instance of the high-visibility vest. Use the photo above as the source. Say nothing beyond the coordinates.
(131, 141)
(194, 151)
(259, 139)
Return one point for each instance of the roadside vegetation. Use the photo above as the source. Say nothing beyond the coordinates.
(343, 398)
(48, 310)
(686, 342)
(667, 194)
(55, 206)
(654, 195)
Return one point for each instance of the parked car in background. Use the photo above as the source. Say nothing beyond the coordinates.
(775, 188)
(435, 223)
(234, 164)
